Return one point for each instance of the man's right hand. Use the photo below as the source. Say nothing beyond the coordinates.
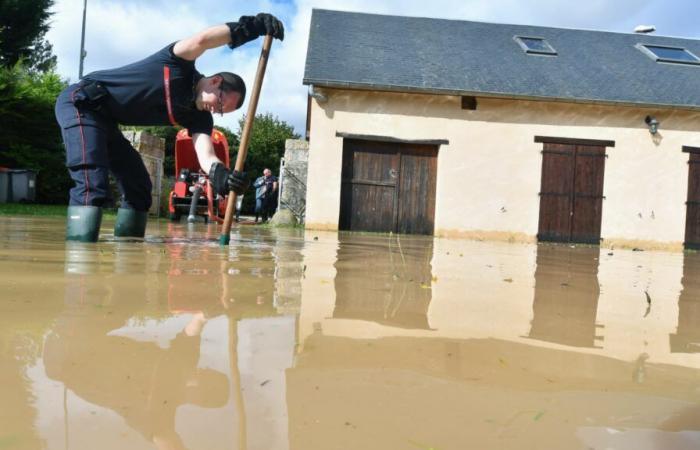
(249, 28)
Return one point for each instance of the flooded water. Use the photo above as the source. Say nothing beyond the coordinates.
(308, 340)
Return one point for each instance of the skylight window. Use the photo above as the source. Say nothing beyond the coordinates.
(535, 45)
(662, 53)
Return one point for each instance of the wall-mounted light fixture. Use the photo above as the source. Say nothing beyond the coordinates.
(652, 123)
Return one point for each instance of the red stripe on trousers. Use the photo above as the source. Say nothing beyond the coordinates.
(82, 141)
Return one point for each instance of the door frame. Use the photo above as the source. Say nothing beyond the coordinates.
(411, 144)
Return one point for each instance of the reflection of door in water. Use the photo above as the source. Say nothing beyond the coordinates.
(378, 282)
(687, 336)
(571, 197)
(566, 295)
(388, 187)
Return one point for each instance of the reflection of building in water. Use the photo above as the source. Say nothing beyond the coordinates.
(566, 295)
(391, 287)
(289, 270)
(393, 391)
(686, 339)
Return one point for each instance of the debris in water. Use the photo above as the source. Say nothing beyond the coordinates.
(264, 382)
(538, 416)
(637, 249)
(421, 446)
(648, 304)
(508, 280)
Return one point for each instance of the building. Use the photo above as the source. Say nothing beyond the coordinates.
(504, 132)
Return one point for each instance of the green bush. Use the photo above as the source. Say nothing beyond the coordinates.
(30, 138)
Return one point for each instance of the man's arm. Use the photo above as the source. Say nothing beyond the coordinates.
(205, 151)
(234, 34)
(222, 179)
(192, 47)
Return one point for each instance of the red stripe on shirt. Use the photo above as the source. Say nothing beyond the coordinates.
(168, 102)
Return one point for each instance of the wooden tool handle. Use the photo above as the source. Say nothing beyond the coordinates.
(225, 237)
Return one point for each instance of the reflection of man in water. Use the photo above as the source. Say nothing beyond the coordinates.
(139, 380)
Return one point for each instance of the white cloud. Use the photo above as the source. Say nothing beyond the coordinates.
(123, 31)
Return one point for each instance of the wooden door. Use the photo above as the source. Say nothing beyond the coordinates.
(417, 185)
(571, 197)
(369, 182)
(588, 194)
(692, 214)
(388, 186)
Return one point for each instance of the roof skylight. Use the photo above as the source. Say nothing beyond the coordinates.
(663, 53)
(535, 45)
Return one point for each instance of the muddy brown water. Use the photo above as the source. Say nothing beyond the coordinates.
(313, 340)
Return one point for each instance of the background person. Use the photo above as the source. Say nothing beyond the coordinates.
(265, 195)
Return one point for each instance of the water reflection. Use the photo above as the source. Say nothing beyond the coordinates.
(686, 339)
(403, 342)
(566, 296)
(380, 285)
(141, 334)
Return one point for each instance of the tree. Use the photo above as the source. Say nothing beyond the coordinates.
(265, 149)
(23, 26)
(30, 138)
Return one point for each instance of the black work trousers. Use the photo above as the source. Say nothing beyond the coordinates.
(94, 147)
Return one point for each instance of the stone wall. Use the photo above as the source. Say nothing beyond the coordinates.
(293, 177)
(152, 151)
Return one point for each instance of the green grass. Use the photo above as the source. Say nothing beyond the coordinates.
(29, 209)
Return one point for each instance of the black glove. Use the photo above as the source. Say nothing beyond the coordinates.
(249, 28)
(223, 181)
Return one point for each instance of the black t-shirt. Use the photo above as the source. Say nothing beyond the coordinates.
(138, 92)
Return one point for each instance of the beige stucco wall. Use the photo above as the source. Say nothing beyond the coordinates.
(489, 174)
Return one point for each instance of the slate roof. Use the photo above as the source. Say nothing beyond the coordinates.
(412, 54)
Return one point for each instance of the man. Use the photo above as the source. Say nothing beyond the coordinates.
(165, 88)
(265, 191)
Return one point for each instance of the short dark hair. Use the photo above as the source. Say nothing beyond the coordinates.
(232, 83)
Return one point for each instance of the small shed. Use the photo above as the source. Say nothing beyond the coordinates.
(507, 132)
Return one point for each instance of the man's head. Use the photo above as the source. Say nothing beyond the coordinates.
(267, 172)
(220, 93)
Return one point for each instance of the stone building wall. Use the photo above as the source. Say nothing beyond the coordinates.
(293, 177)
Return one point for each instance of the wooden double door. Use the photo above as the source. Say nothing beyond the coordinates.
(571, 197)
(388, 186)
(692, 211)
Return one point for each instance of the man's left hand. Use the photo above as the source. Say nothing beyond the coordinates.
(225, 181)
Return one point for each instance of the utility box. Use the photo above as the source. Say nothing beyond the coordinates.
(17, 185)
(152, 151)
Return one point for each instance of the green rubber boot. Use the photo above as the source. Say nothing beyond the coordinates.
(130, 223)
(83, 223)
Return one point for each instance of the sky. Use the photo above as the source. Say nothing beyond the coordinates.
(119, 32)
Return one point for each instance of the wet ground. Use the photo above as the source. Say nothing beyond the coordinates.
(306, 340)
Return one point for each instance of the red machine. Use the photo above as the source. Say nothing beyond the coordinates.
(193, 194)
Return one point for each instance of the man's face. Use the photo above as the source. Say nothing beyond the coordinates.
(211, 98)
(267, 173)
